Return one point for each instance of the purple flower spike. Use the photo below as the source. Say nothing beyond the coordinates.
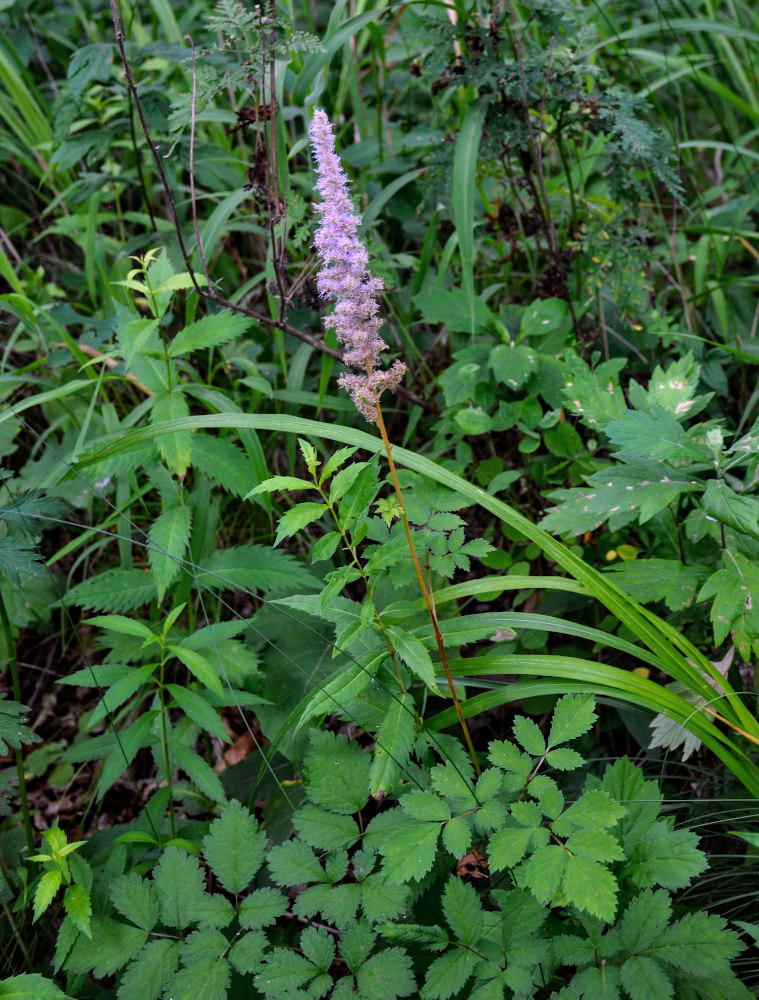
(344, 276)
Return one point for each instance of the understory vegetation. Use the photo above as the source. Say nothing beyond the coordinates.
(379, 528)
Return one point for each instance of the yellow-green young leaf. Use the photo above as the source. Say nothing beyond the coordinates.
(210, 331)
(78, 906)
(199, 666)
(47, 887)
(176, 447)
(168, 536)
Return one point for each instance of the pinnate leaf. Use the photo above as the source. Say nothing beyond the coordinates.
(148, 974)
(133, 898)
(234, 847)
(573, 716)
(178, 884)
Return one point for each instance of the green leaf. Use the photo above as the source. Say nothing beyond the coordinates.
(452, 307)
(175, 447)
(13, 729)
(194, 705)
(594, 809)
(297, 518)
(595, 395)
(512, 364)
(457, 836)
(247, 952)
(123, 751)
(410, 851)
(736, 511)
(325, 830)
(510, 758)
(178, 885)
(735, 589)
(590, 887)
(544, 871)
(28, 510)
(386, 975)
(573, 716)
(18, 559)
(654, 436)
(199, 666)
(146, 977)
(644, 979)
(448, 974)
(393, 744)
(121, 625)
(134, 899)
(284, 971)
(168, 538)
(201, 773)
(113, 945)
(262, 907)
(255, 568)
(31, 986)
(234, 847)
(336, 773)
(134, 678)
(294, 862)
(333, 463)
(277, 483)
(413, 654)
(668, 580)
(464, 182)
(463, 911)
(47, 887)
(210, 331)
(206, 979)
(527, 733)
(666, 857)
(426, 806)
(564, 759)
(508, 846)
(343, 481)
(113, 590)
(78, 906)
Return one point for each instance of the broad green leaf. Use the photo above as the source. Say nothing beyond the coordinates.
(700, 945)
(452, 307)
(457, 836)
(276, 484)
(206, 979)
(337, 692)
(668, 580)
(294, 862)
(284, 971)
(234, 847)
(735, 589)
(594, 809)
(210, 331)
(178, 886)
(410, 851)
(318, 947)
(512, 364)
(148, 974)
(447, 974)
(261, 908)
(666, 857)
(655, 436)
(564, 759)
(510, 758)
(115, 945)
(425, 806)
(343, 481)
(325, 830)
(595, 395)
(78, 906)
(508, 846)
(645, 919)
(386, 975)
(175, 448)
(198, 665)
(596, 845)
(544, 871)
(673, 390)
(31, 986)
(590, 886)
(134, 899)
(463, 911)
(644, 979)
(527, 733)
(13, 729)
(336, 773)
(573, 716)
(736, 511)
(247, 951)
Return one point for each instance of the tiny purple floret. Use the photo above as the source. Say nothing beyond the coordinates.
(344, 276)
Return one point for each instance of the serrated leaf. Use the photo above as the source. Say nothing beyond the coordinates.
(123, 751)
(199, 666)
(18, 558)
(425, 806)
(199, 772)
(573, 716)
(195, 706)
(343, 481)
(447, 974)
(256, 568)
(594, 809)
(668, 580)
(247, 951)
(527, 733)
(234, 847)
(413, 654)
(176, 447)
(513, 364)
(121, 625)
(47, 887)
(261, 908)
(284, 971)
(113, 590)
(294, 862)
(595, 395)
(127, 685)
(510, 758)
(207, 979)
(735, 589)
(210, 331)
(117, 944)
(701, 945)
(28, 510)
(653, 436)
(644, 979)
(325, 830)
(148, 974)
(336, 773)
(213, 911)
(13, 729)
(410, 852)
(463, 911)
(168, 537)
(544, 871)
(178, 885)
(457, 836)
(736, 511)
(666, 857)
(508, 846)
(393, 744)
(31, 986)
(386, 975)
(280, 483)
(134, 899)
(564, 759)
(297, 518)
(590, 886)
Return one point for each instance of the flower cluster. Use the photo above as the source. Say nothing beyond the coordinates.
(344, 276)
